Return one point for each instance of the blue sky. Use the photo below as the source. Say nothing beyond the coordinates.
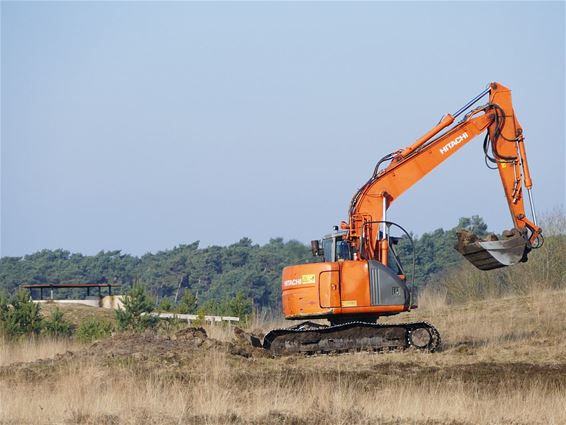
(140, 126)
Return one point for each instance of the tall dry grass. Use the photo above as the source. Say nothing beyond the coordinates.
(513, 328)
(86, 393)
(27, 350)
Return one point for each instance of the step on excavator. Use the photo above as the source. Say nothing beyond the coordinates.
(361, 277)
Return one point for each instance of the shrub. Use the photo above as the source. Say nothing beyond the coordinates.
(166, 305)
(56, 325)
(238, 306)
(136, 315)
(4, 309)
(188, 303)
(92, 329)
(21, 316)
(199, 321)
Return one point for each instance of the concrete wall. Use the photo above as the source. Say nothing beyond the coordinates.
(89, 302)
(109, 301)
(112, 301)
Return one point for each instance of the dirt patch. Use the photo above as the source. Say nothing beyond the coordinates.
(185, 342)
(152, 344)
(316, 417)
(145, 351)
(512, 374)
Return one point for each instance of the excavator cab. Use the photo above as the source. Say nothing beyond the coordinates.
(334, 247)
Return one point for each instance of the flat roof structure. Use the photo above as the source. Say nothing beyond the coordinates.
(54, 286)
(69, 285)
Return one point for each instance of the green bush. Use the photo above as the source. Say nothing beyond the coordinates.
(188, 303)
(92, 329)
(199, 321)
(238, 306)
(56, 325)
(4, 309)
(136, 315)
(20, 316)
(166, 305)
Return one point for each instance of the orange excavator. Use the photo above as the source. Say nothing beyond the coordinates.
(361, 277)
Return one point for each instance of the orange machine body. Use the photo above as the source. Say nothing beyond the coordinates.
(356, 279)
(324, 290)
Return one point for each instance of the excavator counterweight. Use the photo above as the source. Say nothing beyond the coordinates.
(361, 276)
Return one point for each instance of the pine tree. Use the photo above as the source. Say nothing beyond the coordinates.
(136, 315)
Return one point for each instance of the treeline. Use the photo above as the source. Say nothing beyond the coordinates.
(215, 275)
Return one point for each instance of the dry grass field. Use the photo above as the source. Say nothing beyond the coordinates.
(503, 362)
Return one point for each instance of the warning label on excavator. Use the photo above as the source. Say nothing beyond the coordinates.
(308, 278)
(353, 303)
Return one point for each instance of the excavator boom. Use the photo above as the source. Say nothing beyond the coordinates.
(504, 147)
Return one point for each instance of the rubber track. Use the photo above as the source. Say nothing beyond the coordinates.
(321, 339)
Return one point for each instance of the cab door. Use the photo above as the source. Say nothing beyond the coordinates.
(329, 288)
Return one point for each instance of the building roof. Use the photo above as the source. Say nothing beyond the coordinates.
(69, 285)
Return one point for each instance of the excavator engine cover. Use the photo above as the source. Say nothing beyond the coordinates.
(492, 252)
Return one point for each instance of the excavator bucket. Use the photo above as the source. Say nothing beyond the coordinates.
(492, 252)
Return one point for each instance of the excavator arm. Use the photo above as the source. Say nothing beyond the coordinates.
(504, 149)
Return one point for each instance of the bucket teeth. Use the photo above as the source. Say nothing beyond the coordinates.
(491, 252)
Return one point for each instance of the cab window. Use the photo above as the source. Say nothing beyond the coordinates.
(328, 249)
(343, 250)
